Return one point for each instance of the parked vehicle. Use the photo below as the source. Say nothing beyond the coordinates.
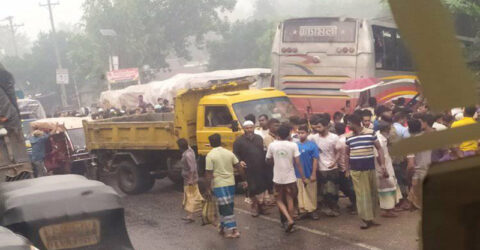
(143, 147)
(313, 57)
(66, 149)
(64, 212)
(14, 160)
(10, 240)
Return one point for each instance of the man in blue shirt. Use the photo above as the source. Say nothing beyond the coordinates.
(307, 192)
(400, 162)
(399, 120)
(38, 141)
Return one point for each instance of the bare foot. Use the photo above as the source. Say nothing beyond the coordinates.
(389, 214)
(233, 235)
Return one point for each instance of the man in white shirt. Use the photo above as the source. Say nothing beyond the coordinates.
(283, 153)
(439, 125)
(262, 128)
(328, 175)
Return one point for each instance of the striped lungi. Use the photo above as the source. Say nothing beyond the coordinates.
(225, 196)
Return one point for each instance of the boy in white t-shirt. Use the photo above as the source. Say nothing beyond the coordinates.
(328, 174)
(283, 153)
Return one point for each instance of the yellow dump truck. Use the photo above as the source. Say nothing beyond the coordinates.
(143, 148)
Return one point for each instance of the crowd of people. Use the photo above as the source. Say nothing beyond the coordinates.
(162, 106)
(303, 165)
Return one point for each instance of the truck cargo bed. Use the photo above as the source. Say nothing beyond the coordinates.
(136, 132)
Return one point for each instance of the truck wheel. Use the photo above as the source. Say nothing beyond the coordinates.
(92, 172)
(133, 179)
(175, 170)
(149, 182)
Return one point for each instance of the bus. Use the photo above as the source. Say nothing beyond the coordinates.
(313, 57)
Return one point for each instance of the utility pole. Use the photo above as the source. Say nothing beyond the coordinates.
(57, 52)
(13, 28)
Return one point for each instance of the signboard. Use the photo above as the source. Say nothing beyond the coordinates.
(62, 76)
(123, 75)
(319, 30)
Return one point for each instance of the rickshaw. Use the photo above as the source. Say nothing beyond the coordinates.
(64, 212)
(65, 150)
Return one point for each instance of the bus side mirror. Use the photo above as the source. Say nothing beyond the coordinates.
(235, 126)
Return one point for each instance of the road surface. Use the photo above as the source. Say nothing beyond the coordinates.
(153, 222)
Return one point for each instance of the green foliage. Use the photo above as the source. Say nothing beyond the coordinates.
(244, 45)
(35, 71)
(147, 32)
(6, 42)
(469, 7)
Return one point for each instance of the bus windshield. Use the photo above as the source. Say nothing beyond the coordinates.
(318, 30)
(278, 107)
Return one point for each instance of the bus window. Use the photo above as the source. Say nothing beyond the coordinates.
(404, 59)
(390, 52)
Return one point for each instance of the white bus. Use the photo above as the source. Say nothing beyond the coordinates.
(313, 57)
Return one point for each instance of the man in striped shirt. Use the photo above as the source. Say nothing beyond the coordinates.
(361, 144)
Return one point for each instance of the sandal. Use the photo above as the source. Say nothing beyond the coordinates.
(188, 220)
(364, 227)
(289, 228)
(368, 225)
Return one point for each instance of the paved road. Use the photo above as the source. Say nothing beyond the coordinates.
(153, 222)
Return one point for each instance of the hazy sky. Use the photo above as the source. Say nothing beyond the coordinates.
(36, 19)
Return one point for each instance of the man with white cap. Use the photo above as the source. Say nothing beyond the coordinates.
(249, 150)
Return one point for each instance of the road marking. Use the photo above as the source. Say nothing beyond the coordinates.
(315, 231)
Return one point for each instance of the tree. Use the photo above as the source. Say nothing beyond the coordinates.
(469, 7)
(6, 43)
(149, 30)
(35, 71)
(244, 44)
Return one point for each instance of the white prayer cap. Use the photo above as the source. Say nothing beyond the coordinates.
(248, 123)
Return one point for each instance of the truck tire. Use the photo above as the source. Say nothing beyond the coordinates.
(149, 183)
(92, 172)
(133, 179)
(175, 170)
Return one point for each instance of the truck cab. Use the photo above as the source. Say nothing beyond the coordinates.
(223, 112)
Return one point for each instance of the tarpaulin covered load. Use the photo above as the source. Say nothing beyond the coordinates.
(168, 89)
(8, 101)
(9, 112)
(61, 123)
(7, 84)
